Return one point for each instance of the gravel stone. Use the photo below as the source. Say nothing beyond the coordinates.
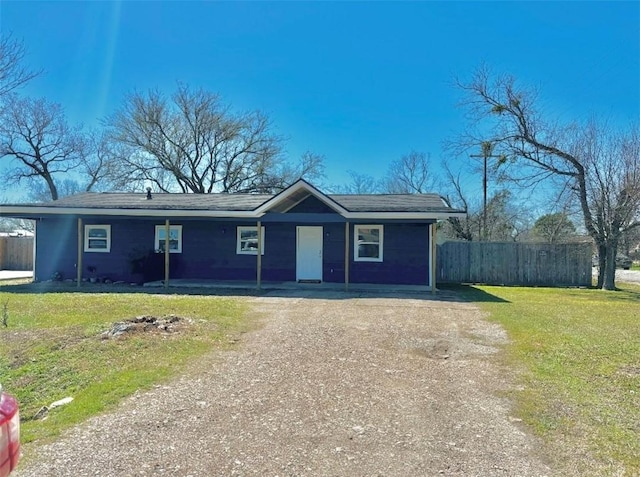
(331, 384)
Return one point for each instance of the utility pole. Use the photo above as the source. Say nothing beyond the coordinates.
(487, 150)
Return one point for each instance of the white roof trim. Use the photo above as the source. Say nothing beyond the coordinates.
(402, 215)
(295, 187)
(35, 211)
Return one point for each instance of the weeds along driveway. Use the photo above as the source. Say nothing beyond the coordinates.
(328, 385)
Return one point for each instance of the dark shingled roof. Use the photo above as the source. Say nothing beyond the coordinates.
(118, 200)
(391, 202)
(245, 202)
(405, 206)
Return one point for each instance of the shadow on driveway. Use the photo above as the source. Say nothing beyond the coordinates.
(451, 293)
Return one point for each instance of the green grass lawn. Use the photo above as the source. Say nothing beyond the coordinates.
(578, 355)
(576, 352)
(52, 348)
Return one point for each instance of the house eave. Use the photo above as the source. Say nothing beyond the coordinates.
(402, 215)
(36, 212)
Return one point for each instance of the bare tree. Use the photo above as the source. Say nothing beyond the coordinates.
(411, 174)
(93, 171)
(13, 73)
(98, 169)
(554, 228)
(310, 167)
(506, 220)
(35, 135)
(359, 184)
(191, 142)
(630, 243)
(456, 227)
(600, 166)
(19, 226)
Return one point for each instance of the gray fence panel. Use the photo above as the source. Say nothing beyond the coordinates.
(511, 263)
(16, 253)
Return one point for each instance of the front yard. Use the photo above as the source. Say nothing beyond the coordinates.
(53, 348)
(579, 356)
(576, 351)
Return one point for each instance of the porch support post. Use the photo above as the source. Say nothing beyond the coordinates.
(346, 256)
(80, 248)
(259, 258)
(167, 251)
(433, 266)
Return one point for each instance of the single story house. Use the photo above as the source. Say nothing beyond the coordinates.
(299, 234)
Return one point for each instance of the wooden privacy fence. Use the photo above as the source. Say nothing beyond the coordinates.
(498, 263)
(16, 253)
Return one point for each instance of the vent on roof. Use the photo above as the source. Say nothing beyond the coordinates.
(149, 193)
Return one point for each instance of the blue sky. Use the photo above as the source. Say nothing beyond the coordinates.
(361, 83)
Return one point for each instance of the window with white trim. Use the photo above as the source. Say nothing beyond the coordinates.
(368, 243)
(175, 238)
(97, 238)
(247, 241)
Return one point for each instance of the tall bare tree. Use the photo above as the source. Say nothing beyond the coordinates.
(35, 135)
(506, 219)
(192, 142)
(411, 174)
(601, 166)
(13, 73)
(98, 167)
(461, 228)
(309, 167)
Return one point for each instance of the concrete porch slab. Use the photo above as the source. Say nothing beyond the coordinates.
(323, 286)
(15, 274)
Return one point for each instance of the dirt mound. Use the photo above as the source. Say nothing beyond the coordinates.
(145, 324)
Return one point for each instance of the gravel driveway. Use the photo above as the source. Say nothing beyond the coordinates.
(630, 276)
(330, 385)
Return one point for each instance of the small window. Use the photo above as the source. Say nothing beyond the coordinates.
(97, 238)
(248, 240)
(175, 238)
(367, 246)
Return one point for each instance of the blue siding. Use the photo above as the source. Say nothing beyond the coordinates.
(312, 205)
(333, 253)
(209, 251)
(56, 248)
(406, 257)
(279, 262)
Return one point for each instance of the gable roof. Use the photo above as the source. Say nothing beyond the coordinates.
(296, 193)
(357, 206)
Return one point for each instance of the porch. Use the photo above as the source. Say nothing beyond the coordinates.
(286, 285)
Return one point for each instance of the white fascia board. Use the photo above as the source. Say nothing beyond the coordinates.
(403, 215)
(38, 211)
(301, 184)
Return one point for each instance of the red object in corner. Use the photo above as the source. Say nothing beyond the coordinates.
(9, 434)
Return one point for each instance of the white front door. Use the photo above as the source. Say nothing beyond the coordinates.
(309, 253)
